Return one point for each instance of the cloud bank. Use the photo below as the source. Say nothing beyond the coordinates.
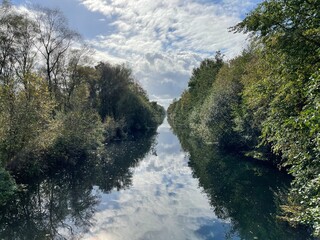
(164, 40)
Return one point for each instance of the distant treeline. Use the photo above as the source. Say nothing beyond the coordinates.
(56, 106)
(266, 102)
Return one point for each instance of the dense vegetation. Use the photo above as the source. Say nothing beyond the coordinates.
(56, 106)
(244, 193)
(266, 101)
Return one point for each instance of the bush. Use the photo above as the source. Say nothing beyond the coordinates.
(80, 135)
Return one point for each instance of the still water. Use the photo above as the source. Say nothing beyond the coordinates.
(153, 188)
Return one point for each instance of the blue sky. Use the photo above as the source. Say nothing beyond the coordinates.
(162, 41)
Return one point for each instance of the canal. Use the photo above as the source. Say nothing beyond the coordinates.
(156, 187)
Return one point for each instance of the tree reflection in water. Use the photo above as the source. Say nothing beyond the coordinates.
(241, 191)
(61, 206)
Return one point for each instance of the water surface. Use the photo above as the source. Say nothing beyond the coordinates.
(153, 188)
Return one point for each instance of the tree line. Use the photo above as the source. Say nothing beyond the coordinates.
(265, 102)
(56, 105)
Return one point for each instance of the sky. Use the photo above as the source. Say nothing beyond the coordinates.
(161, 41)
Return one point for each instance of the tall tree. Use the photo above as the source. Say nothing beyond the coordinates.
(55, 38)
(289, 33)
(287, 26)
(114, 80)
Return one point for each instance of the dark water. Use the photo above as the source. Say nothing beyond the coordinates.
(152, 189)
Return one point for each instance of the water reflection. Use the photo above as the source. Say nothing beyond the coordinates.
(219, 197)
(39, 210)
(242, 191)
(164, 201)
(62, 206)
(148, 189)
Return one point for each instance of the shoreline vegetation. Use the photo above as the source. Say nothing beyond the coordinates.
(57, 107)
(265, 102)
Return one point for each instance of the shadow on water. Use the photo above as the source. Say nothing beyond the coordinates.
(61, 206)
(242, 191)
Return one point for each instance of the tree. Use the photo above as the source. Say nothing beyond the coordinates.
(9, 26)
(113, 82)
(291, 27)
(55, 38)
(62, 115)
(203, 77)
(289, 34)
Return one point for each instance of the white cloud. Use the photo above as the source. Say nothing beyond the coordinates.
(164, 40)
(164, 201)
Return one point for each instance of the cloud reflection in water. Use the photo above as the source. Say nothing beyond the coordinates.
(164, 201)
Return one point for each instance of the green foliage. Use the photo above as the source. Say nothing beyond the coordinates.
(112, 84)
(214, 116)
(289, 32)
(137, 112)
(302, 135)
(65, 195)
(180, 109)
(241, 190)
(217, 114)
(80, 135)
(7, 186)
(25, 118)
(291, 27)
(203, 77)
(267, 100)
(121, 98)
(158, 111)
(55, 109)
(114, 129)
(199, 87)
